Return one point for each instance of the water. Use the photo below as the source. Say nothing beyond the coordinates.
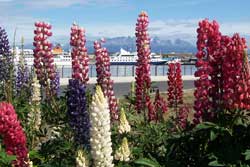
(128, 70)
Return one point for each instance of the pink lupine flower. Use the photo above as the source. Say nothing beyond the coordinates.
(175, 85)
(160, 107)
(236, 75)
(207, 55)
(171, 84)
(43, 58)
(143, 81)
(223, 72)
(182, 117)
(104, 77)
(179, 83)
(79, 55)
(215, 58)
(13, 135)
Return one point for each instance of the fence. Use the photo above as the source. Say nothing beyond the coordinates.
(127, 70)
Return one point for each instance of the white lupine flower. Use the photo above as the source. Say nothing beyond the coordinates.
(51, 133)
(36, 95)
(124, 126)
(30, 164)
(100, 135)
(123, 153)
(34, 116)
(54, 132)
(81, 160)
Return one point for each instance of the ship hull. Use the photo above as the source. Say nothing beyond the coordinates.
(134, 63)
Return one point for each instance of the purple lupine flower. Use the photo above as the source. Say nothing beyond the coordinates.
(77, 111)
(22, 77)
(55, 85)
(5, 55)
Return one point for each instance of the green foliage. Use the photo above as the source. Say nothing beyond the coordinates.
(5, 160)
(58, 152)
(147, 140)
(147, 162)
(210, 144)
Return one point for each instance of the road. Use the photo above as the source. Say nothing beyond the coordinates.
(122, 89)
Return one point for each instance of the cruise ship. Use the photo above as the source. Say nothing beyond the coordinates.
(62, 58)
(127, 58)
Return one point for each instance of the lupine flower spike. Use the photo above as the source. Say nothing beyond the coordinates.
(236, 75)
(143, 80)
(34, 116)
(104, 77)
(160, 107)
(124, 126)
(13, 135)
(5, 52)
(81, 159)
(175, 85)
(22, 77)
(182, 117)
(77, 111)
(43, 58)
(203, 104)
(55, 85)
(80, 59)
(123, 153)
(101, 146)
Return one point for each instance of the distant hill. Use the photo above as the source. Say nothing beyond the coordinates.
(157, 45)
(128, 43)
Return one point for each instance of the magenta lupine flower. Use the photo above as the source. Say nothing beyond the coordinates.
(175, 85)
(160, 107)
(236, 75)
(13, 135)
(179, 83)
(182, 117)
(203, 85)
(80, 59)
(215, 58)
(143, 81)
(152, 113)
(43, 58)
(223, 72)
(104, 77)
(171, 84)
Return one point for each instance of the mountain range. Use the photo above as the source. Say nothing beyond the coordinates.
(128, 43)
(158, 45)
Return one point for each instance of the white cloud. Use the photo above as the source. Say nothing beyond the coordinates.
(6, 1)
(166, 29)
(54, 3)
(233, 27)
(186, 29)
(68, 3)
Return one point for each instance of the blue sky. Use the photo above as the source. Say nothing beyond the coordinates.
(169, 19)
